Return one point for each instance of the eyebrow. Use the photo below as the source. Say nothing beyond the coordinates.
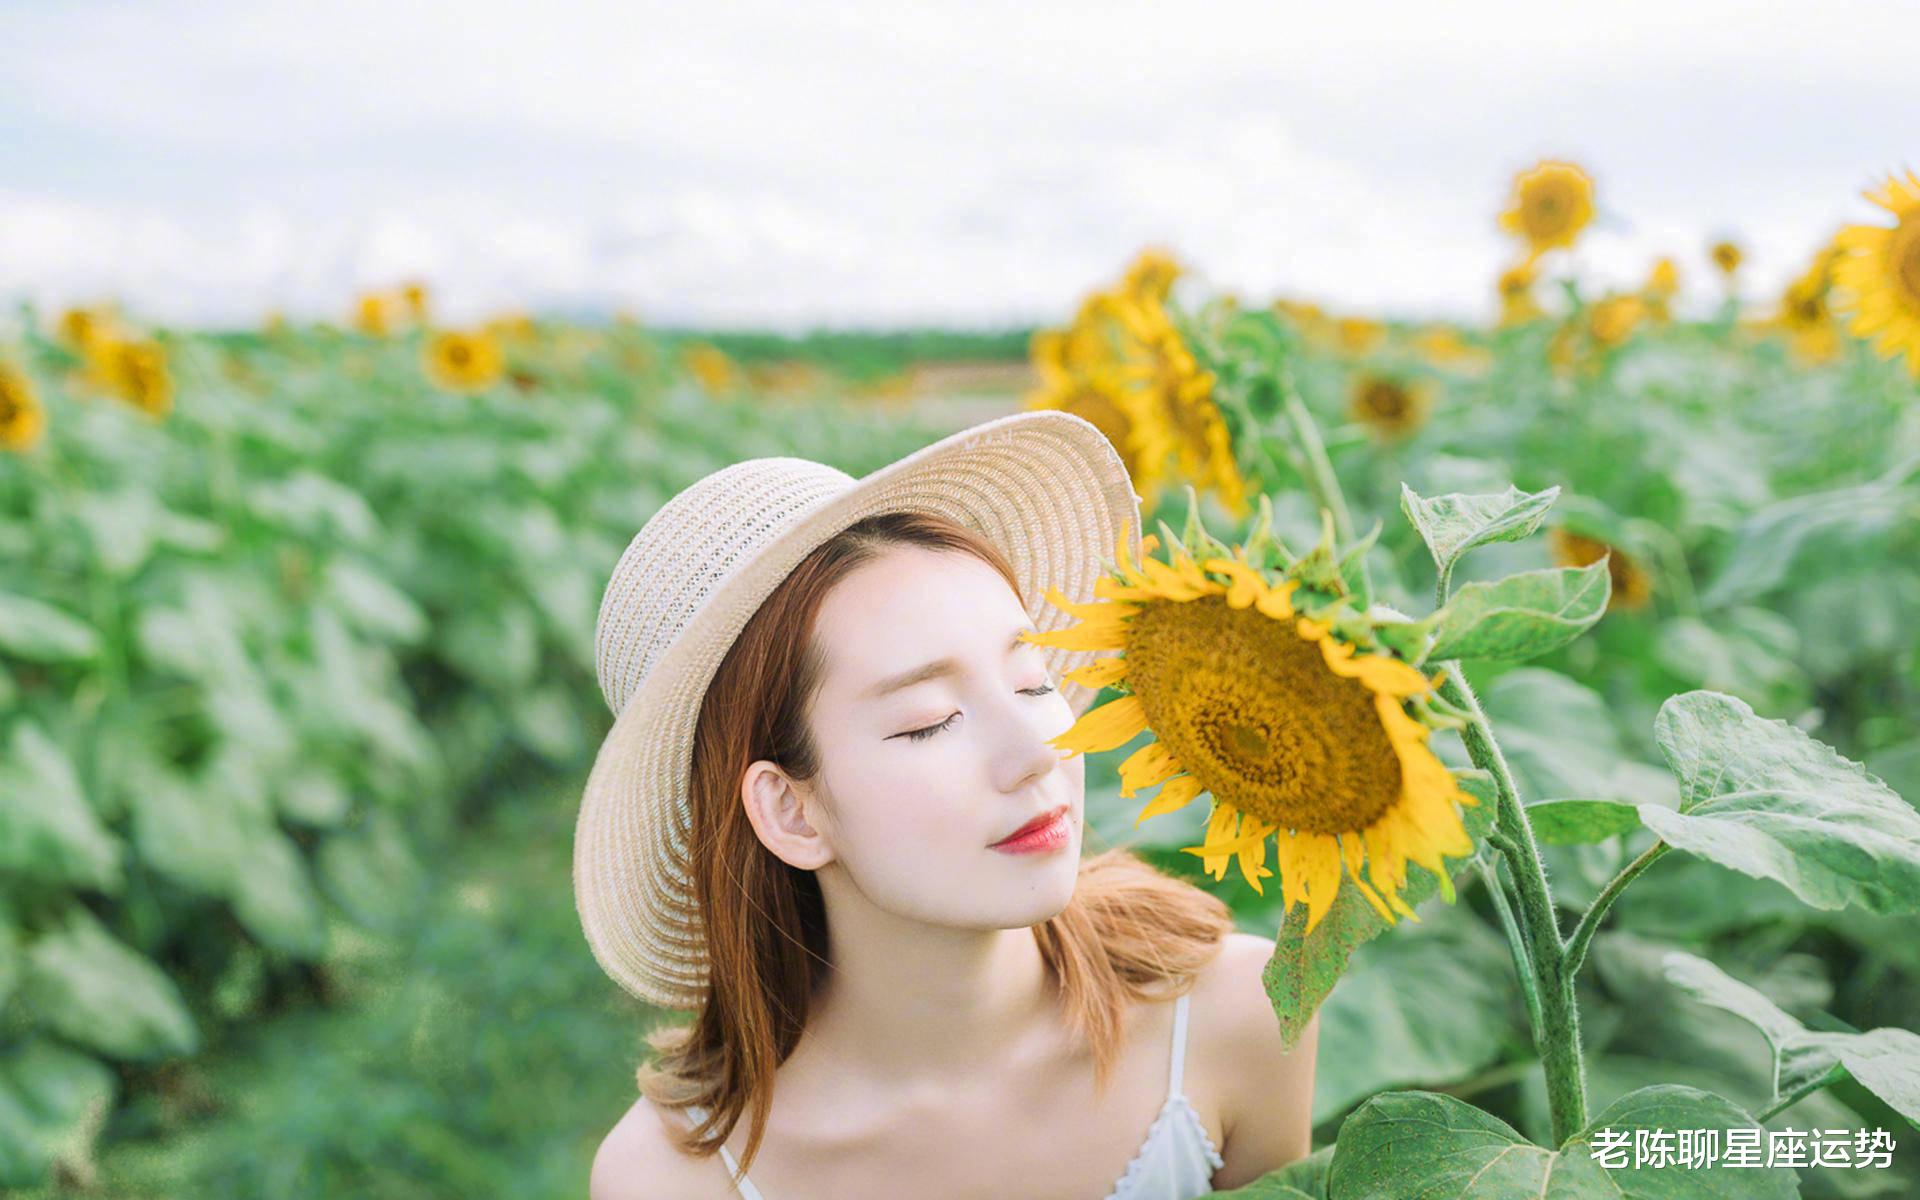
(933, 670)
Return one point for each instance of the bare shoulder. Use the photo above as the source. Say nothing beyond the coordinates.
(1265, 1088)
(638, 1160)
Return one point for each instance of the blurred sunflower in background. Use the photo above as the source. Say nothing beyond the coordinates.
(1359, 336)
(463, 362)
(22, 419)
(1301, 739)
(1631, 584)
(1517, 303)
(1662, 285)
(1727, 256)
(1387, 404)
(711, 368)
(1077, 376)
(1805, 310)
(135, 371)
(1552, 202)
(1879, 273)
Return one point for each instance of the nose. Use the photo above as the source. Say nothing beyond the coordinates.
(1025, 753)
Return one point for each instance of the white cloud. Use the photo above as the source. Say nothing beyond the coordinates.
(877, 162)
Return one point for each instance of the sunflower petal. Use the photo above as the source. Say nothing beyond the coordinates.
(1176, 794)
(1150, 764)
(1114, 723)
(1111, 669)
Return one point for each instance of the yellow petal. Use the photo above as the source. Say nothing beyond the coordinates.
(1150, 764)
(1099, 674)
(1353, 854)
(1322, 856)
(1177, 794)
(1114, 723)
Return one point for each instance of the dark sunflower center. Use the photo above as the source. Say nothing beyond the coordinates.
(1387, 401)
(1252, 711)
(10, 405)
(1549, 212)
(458, 355)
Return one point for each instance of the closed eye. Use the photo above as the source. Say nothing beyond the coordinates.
(921, 735)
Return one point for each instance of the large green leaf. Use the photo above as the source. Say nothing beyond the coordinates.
(1763, 798)
(1455, 523)
(48, 829)
(95, 991)
(274, 896)
(1378, 1032)
(1521, 616)
(1766, 545)
(1439, 1147)
(1304, 967)
(1886, 1061)
(54, 1100)
(37, 630)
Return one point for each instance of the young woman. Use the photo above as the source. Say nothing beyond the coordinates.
(907, 980)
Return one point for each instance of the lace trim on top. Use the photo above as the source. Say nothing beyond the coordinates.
(1175, 1108)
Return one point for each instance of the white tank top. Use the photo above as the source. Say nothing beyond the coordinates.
(1175, 1162)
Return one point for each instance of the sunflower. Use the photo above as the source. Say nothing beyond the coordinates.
(1151, 274)
(1443, 347)
(1359, 335)
(464, 362)
(1631, 583)
(1663, 283)
(1552, 203)
(413, 294)
(1297, 735)
(1612, 320)
(1168, 398)
(373, 314)
(22, 420)
(710, 367)
(1517, 303)
(1727, 256)
(136, 372)
(1075, 379)
(1879, 272)
(81, 328)
(1805, 311)
(1389, 405)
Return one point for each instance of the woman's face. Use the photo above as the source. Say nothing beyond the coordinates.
(920, 778)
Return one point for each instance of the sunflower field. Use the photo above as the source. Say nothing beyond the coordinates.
(1548, 690)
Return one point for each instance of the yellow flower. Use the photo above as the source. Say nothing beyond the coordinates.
(414, 295)
(81, 328)
(1443, 347)
(1299, 738)
(1663, 283)
(373, 314)
(1631, 583)
(1075, 378)
(1391, 406)
(1552, 203)
(136, 372)
(1726, 255)
(1805, 312)
(1879, 273)
(22, 420)
(1359, 335)
(1517, 305)
(464, 362)
(1612, 320)
(1151, 274)
(511, 328)
(710, 367)
(1168, 398)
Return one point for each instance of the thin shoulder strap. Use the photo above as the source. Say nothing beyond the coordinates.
(747, 1190)
(1179, 1045)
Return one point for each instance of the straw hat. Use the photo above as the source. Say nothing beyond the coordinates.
(1045, 487)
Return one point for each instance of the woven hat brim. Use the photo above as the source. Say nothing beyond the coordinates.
(1047, 488)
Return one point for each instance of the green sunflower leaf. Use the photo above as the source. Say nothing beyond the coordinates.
(96, 991)
(1522, 616)
(1455, 523)
(36, 630)
(1763, 798)
(1581, 822)
(1304, 966)
(1885, 1061)
(1429, 1144)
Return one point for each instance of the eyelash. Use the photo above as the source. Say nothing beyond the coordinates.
(921, 735)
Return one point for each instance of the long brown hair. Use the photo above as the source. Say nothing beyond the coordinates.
(1128, 933)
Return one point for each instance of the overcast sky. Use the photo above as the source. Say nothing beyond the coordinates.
(793, 163)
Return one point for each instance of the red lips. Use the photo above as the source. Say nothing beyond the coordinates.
(1039, 822)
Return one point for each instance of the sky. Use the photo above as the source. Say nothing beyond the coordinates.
(873, 163)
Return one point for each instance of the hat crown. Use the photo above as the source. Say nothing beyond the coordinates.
(685, 553)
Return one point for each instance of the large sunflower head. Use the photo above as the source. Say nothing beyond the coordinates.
(1274, 697)
(1878, 273)
(1074, 378)
(1551, 204)
(464, 362)
(22, 420)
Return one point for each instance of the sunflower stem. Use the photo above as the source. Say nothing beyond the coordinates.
(1590, 920)
(1320, 476)
(1516, 943)
(1558, 1039)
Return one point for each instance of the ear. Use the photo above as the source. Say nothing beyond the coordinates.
(782, 812)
